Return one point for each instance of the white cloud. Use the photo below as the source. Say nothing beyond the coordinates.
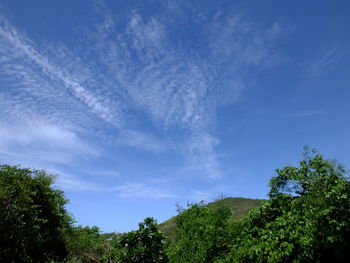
(324, 62)
(43, 145)
(47, 83)
(137, 69)
(141, 190)
(141, 140)
(307, 113)
(147, 36)
(151, 190)
(21, 46)
(202, 155)
(69, 182)
(103, 173)
(184, 90)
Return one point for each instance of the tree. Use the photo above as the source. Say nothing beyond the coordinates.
(307, 218)
(33, 218)
(144, 245)
(88, 245)
(315, 174)
(202, 234)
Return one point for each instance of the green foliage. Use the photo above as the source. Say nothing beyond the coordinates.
(239, 207)
(112, 235)
(88, 245)
(143, 245)
(33, 218)
(314, 175)
(307, 218)
(201, 234)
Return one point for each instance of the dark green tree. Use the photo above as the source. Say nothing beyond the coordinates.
(33, 218)
(143, 245)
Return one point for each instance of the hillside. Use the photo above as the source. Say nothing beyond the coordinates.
(239, 206)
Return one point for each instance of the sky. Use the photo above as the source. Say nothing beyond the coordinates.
(137, 106)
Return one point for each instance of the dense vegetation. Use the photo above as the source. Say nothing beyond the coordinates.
(306, 219)
(33, 218)
(239, 207)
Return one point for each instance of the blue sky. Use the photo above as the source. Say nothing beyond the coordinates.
(140, 105)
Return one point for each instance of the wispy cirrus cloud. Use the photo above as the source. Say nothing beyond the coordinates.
(136, 72)
(58, 89)
(182, 89)
(147, 189)
(42, 145)
(68, 182)
(324, 62)
(24, 61)
(142, 190)
(307, 113)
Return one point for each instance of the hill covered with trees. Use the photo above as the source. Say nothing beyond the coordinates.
(305, 219)
(239, 207)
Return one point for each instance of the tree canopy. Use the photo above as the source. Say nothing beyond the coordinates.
(33, 217)
(143, 245)
(306, 219)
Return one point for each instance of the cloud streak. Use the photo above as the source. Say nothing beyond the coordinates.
(42, 145)
(126, 190)
(21, 48)
(324, 62)
(141, 75)
(307, 113)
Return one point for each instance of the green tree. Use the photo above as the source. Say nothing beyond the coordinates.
(307, 218)
(33, 218)
(202, 234)
(88, 245)
(143, 245)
